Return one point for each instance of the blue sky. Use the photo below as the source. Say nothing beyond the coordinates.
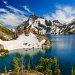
(13, 12)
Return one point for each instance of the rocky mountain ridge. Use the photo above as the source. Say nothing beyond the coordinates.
(36, 23)
(46, 26)
(65, 28)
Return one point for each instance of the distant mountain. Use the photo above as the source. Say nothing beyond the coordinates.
(71, 26)
(65, 28)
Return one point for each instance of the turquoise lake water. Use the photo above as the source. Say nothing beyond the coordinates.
(63, 46)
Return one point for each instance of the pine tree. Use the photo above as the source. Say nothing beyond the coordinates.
(29, 66)
(16, 66)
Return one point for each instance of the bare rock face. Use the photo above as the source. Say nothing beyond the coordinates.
(1, 47)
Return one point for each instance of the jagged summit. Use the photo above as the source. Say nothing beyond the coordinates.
(65, 28)
(35, 22)
(26, 23)
(34, 17)
(56, 21)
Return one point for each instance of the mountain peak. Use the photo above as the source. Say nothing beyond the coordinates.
(56, 21)
(34, 17)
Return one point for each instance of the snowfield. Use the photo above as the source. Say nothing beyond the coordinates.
(23, 41)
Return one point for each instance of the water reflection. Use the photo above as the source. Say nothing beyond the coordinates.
(30, 52)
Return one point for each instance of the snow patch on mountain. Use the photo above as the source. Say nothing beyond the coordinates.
(23, 41)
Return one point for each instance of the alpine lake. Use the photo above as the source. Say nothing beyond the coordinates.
(63, 47)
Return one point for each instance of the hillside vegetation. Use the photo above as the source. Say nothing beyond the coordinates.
(6, 34)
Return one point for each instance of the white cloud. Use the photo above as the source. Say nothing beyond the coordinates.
(62, 13)
(12, 19)
(15, 10)
(2, 10)
(5, 2)
(48, 17)
(27, 9)
(13, 16)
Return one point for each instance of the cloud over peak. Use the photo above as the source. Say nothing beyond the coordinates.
(62, 13)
